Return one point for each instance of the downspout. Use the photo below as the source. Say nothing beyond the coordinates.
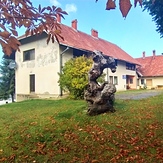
(61, 58)
(107, 75)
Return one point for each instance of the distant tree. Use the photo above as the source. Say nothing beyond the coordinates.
(15, 14)
(7, 80)
(155, 9)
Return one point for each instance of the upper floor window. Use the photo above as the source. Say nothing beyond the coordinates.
(130, 66)
(29, 55)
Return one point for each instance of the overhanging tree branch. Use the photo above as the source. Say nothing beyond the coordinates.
(17, 14)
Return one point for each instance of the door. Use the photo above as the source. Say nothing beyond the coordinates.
(149, 82)
(32, 83)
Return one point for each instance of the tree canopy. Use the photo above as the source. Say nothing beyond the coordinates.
(155, 9)
(16, 14)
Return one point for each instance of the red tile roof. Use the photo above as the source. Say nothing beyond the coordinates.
(83, 41)
(80, 40)
(151, 66)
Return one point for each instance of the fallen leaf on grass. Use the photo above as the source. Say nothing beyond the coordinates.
(94, 161)
(12, 157)
(40, 147)
(33, 123)
(3, 159)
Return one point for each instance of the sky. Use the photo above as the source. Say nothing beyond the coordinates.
(134, 34)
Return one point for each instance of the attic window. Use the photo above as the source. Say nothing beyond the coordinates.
(130, 66)
(29, 55)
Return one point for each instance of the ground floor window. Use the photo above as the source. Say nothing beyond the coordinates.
(111, 79)
(32, 83)
(116, 80)
(131, 80)
(142, 81)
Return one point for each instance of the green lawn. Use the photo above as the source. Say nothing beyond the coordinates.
(42, 131)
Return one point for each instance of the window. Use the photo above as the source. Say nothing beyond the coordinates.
(111, 79)
(116, 80)
(142, 81)
(116, 62)
(130, 66)
(29, 55)
(131, 80)
(32, 83)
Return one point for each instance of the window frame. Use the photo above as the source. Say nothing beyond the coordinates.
(142, 81)
(131, 80)
(32, 83)
(116, 79)
(28, 55)
(111, 79)
(130, 66)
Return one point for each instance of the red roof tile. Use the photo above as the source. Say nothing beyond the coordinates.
(83, 41)
(80, 40)
(151, 66)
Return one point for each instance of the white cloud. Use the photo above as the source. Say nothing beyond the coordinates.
(55, 3)
(70, 8)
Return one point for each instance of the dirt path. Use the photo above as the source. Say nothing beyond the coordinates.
(135, 95)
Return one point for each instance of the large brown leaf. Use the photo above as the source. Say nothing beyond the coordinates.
(5, 34)
(110, 5)
(136, 1)
(125, 6)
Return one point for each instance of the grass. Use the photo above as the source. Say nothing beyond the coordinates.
(42, 131)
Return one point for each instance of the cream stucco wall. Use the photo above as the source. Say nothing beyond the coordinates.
(156, 82)
(121, 73)
(45, 67)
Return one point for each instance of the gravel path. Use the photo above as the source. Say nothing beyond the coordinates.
(138, 95)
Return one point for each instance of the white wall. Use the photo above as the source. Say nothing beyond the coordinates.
(121, 72)
(157, 82)
(45, 67)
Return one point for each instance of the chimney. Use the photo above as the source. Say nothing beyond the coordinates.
(94, 33)
(154, 53)
(144, 55)
(58, 18)
(74, 24)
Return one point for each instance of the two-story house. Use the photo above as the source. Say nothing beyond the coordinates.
(38, 64)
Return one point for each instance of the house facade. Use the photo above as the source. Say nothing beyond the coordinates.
(150, 73)
(38, 64)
